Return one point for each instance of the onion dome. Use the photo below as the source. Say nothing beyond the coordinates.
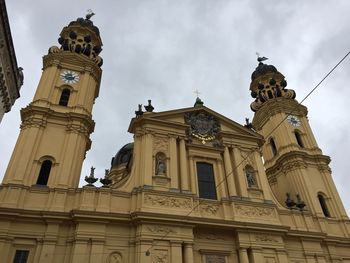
(123, 156)
(82, 37)
(267, 84)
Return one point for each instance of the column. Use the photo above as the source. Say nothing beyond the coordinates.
(221, 180)
(176, 252)
(96, 254)
(174, 175)
(282, 255)
(188, 253)
(80, 251)
(183, 166)
(260, 176)
(148, 159)
(193, 176)
(47, 251)
(238, 163)
(141, 252)
(256, 255)
(229, 173)
(243, 255)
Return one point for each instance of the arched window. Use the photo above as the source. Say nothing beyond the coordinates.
(298, 138)
(323, 204)
(44, 172)
(273, 146)
(206, 180)
(64, 97)
(250, 176)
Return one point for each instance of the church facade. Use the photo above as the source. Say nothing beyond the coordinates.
(193, 186)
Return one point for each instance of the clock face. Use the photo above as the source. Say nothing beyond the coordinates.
(69, 76)
(293, 120)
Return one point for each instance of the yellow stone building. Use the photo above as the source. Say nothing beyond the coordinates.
(193, 187)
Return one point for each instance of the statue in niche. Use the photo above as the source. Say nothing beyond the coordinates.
(160, 164)
(251, 180)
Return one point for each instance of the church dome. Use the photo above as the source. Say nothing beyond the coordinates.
(123, 156)
(262, 69)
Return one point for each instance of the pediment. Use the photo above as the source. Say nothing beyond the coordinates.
(204, 120)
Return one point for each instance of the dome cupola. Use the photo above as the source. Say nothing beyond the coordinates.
(82, 37)
(267, 83)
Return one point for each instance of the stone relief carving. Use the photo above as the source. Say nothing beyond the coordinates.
(160, 256)
(160, 144)
(266, 238)
(209, 209)
(252, 211)
(160, 229)
(115, 257)
(215, 259)
(210, 236)
(167, 201)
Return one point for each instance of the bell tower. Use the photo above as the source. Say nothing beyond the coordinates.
(295, 165)
(56, 125)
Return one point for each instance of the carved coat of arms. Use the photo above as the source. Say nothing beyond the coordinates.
(202, 126)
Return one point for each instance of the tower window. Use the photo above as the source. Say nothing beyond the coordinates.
(21, 256)
(273, 146)
(64, 97)
(44, 172)
(323, 204)
(206, 180)
(298, 138)
(250, 176)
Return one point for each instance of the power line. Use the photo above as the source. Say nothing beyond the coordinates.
(269, 134)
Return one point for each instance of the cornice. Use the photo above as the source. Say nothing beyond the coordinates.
(297, 160)
(275, 106)
(36, 116)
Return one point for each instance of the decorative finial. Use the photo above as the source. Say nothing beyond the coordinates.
(290, 202)
(139, 112)
(91, 178)
(149, 107)
(260, 59)
(248, 124)
(89, 14)
(300, 203)
(106, 181)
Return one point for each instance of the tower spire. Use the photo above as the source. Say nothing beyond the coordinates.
(57, 124)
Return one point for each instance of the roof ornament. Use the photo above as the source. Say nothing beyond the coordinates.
(89, 14)
(149, 107)
(198, 102)
(260, 59)
(139, 111)
(91, 178)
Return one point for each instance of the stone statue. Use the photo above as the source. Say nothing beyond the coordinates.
(160, 165)
(251, 179)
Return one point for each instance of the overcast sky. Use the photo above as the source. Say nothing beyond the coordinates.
(164, 50)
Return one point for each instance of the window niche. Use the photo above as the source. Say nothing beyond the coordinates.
(250, 177)
(206, 180)
(65, 94)
(273, 146)
(21, 256)
(160, 165)
(299, 139)
(44, 173)
(323, 204)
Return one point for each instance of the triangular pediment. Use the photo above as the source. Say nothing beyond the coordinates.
(179, 120)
